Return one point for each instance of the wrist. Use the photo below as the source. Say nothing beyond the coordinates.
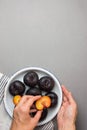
(15, 126)
(71, 127)
(19, 126)
(68, 127)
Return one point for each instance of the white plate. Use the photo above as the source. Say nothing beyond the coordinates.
(19, 76)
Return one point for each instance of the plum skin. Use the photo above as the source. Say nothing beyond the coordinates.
(46, 83)
(43, 115)
(16, 88)
(54, 98)
(31, 78)
(33, 91)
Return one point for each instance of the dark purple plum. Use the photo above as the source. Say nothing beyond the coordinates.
(54, 98)
(46, 83)
(43, 115)
(16, 88)
(34, 91)
(31, 78)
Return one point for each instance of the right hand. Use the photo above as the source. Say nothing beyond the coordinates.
(21, 117)
(67, 115)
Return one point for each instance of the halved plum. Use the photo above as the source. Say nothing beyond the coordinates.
(43, 102)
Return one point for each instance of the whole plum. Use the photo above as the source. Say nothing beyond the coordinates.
(46, 83)
(33, 91)
(54, 98)
(16, 88)
(31, 78)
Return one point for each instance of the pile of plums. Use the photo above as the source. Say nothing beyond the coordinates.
(36, 86)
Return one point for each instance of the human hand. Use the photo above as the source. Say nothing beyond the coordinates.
(67, 115)
(21, 115)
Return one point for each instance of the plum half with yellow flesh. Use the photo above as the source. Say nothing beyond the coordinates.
(43, 102)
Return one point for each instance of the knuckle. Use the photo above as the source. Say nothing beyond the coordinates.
(22, 110)
(23, 97)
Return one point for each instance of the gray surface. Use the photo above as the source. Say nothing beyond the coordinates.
(51, 34)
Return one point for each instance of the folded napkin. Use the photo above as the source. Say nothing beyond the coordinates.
(3, 81)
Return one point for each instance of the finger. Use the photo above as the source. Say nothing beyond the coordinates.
(24, 99)
(31, 100)
(37, 116)
(65, 91)
(67, 94)
(64, 99)
(71, 99)
(60, 113)
(65, 104)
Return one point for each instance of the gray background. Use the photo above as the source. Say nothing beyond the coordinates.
(51, 34)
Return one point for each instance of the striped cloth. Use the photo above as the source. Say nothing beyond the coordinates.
(3, 81)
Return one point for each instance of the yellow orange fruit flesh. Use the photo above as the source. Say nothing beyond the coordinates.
(43, 102)
(16, 99)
